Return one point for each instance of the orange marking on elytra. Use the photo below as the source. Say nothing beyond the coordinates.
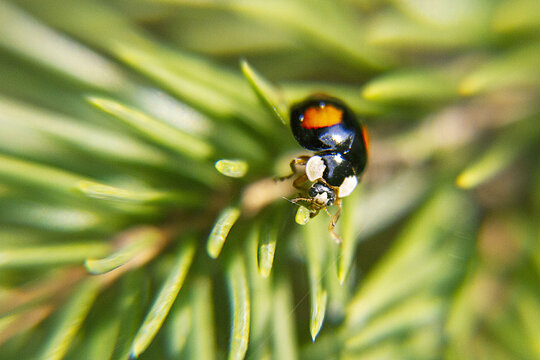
(320, 117)
(366, 139)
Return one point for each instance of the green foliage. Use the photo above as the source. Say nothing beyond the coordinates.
(139, 217)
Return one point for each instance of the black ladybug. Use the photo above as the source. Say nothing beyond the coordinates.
(326, 126)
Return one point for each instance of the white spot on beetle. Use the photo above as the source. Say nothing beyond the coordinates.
(315, 168)
(348, 185)
(321, 198)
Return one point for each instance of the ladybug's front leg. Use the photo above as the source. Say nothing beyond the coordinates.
(300, 161)
(299, 182)
(334, 221)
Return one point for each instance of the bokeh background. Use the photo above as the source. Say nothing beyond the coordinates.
(138, 213)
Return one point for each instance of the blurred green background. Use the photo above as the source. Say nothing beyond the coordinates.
(139, 218)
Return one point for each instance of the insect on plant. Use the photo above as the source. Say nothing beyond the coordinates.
(329, 128)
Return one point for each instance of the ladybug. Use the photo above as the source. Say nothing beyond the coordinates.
(329, 128)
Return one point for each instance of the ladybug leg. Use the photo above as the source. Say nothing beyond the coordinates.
(335, 236)
(301, 161)
(295, 200)
(334, 220)
(299, 181)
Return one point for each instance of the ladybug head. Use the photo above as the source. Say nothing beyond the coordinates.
(322, 194)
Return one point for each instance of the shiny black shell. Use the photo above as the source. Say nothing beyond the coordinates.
(337, 168)
(345, 136)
